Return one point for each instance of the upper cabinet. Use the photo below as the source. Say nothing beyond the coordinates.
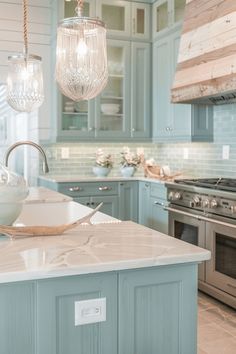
(125, 19)
(122, 110)
(175, 122)
(166, 13)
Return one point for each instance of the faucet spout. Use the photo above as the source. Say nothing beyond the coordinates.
(27, 142)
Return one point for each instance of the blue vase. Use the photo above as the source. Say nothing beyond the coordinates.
(100, 171)
(127, 171)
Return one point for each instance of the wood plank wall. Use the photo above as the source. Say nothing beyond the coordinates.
(207, 54)
(11, 41)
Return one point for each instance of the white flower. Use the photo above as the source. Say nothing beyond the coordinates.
(102, 159)
(130, 158)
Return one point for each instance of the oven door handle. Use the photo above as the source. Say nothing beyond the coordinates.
(201, 218)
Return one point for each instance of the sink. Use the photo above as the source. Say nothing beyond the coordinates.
(51, 214)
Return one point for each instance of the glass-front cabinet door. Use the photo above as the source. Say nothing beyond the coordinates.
(167, 13)
(178, 10)
(77, 118)
(140, 21)
(116, 15)
(161, 16)
(113, 105)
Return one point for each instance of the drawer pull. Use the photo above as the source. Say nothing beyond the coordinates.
(105, 188)
(75, 189)
(87, 203)
(158, 203)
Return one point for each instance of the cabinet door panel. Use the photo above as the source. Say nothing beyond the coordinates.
(109, 207)
(161, 89)
(17, 320)
(140, 21)
(115, 124)
(57, 333)
(181, 119)
(128, 202)
(141, 90)
(158, 216)
(116, 16)
(156, 309)
(144, 203)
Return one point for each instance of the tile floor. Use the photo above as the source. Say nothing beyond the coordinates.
(216, 327)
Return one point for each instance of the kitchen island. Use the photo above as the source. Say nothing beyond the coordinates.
(144, 282)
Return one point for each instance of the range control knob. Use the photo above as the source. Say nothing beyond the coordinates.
(196, 200)
(177, 196)
(205, 203)
(171, 196)
(214, 203)
(233, 209)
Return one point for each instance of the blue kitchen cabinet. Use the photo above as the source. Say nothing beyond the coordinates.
(110, 204)
(175, 122)
(149, 310)
(57, 332)
(125, 19)
(144, 203)
(140, 91)
(128, 200)
(158, 311)
(129, 81)
(166, 14)
(18, 318)
(152, 201)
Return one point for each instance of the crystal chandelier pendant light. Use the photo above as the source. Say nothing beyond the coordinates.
(81, 57)
(25, 78)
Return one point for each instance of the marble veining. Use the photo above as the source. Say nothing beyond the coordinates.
(107, 246)
(44, 195)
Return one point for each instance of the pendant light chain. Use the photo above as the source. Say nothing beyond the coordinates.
(79, 8)
(25, 4)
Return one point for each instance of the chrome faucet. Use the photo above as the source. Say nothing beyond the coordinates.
(38, 147)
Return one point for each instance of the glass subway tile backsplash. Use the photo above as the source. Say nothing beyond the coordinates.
(204, 159)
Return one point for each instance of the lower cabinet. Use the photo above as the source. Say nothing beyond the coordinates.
(152, 199)
(110, 204)
(148, 311)
(57, 333)
(120, 199)
(128, 202)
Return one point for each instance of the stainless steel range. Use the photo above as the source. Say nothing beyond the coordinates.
(203, 212)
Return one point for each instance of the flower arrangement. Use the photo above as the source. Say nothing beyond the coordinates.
(131, 159)
(103, 160)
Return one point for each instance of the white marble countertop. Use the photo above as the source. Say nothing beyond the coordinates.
(80, 178)
(44, 195)
(108, 246)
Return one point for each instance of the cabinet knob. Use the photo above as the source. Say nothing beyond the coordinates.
(90, 129)
(75, 189)
(105, 188)
(87, 203)
(133, 130)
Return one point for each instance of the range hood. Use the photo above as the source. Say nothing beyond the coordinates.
(206, 69)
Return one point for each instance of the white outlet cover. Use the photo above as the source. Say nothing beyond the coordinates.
(90, 311)
(65, 153)
(225, 152)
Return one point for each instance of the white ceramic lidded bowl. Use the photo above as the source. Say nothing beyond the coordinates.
(13, 191)
(110, 108)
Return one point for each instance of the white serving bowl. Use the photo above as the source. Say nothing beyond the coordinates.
(110, 108)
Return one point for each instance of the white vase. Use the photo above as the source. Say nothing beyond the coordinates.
(100, 171)
(127, 171)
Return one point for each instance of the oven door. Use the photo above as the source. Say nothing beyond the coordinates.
(221, 269)
(188, 229)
